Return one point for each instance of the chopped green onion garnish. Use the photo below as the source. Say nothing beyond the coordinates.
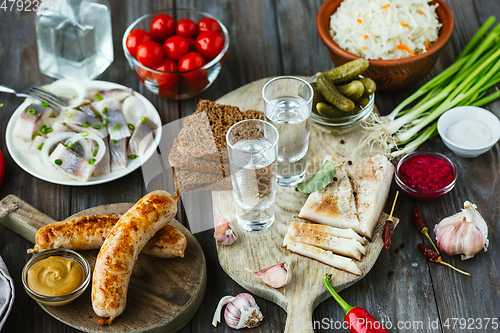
(49, 130)
(117, 127)
(104, 110)
(45, 104)
(85, 123)
(114, 141)
(92, 161)
(64, 124)
(105, 122)
(84, 133)
(98, 97)
(97, 127)
(69, 144)
(96, 144)
(131, 127)
(97, 116)
(31, 111)
(36, 134)
(95, 153)
(58, 162)
(132, 157)
(68, 115)
(144, 119)
(2, 105)
(75, 96)
(77, 109)
(43, 129)
(40, 146)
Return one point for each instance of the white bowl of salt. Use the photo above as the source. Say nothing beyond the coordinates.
(469, 131)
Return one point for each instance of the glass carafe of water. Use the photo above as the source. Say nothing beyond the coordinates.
(74, 38)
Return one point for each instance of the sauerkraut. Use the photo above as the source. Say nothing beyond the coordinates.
(385, 29)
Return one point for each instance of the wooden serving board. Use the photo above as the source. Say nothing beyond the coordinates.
(256, 250)
(163, 294)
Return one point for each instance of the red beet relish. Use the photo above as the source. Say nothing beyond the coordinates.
(426, 173)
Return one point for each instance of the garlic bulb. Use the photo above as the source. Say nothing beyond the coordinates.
(241, 312)
(464, 233)
(275, 276)
(224, 232)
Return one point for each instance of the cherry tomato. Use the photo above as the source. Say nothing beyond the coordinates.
(186, 28)
(189, 62)
(209, 44)
(150, 54)
(166, 80)
(162, 27)
(145, 74)
(136, 38)
(175, 47)
(209, 24)
(191, 44)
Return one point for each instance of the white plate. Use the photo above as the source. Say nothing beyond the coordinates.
(34, 165)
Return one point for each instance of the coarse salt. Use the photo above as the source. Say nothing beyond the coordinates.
(469, 134)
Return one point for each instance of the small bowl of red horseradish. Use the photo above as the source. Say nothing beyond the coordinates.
(426, 175)
(469, 131)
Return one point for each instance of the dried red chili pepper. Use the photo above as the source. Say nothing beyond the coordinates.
(357, 319)
(433, 256)
(418, 223)
(388, 231)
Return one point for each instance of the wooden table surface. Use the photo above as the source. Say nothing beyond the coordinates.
(272, 38)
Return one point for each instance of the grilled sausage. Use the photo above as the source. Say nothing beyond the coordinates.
(89, 233)
(121, 248)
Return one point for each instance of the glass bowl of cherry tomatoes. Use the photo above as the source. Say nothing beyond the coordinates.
(176, 53)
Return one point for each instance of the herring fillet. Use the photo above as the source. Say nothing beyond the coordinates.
(343, 246)
(85, 120)
(118, 154)
(71, 164)
(104, 165)
(28, 124)
(141, 139)
(326, 257)
(117, 126)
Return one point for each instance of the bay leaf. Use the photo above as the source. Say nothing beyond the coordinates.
(320, 180)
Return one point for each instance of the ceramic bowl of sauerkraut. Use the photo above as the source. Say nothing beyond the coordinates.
(400, 38)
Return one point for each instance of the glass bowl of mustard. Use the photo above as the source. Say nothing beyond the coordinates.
(56, 277)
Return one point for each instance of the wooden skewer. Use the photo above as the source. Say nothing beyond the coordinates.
(393, 205)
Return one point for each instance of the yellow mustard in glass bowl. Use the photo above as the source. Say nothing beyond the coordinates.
(56, 277)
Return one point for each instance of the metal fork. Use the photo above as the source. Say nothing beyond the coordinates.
(39, 94)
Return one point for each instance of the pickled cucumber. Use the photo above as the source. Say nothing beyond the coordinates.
(332, 95)
(363, 101)
(317, 97)
(348, 71)
(370, 86)
(352, 90)
(327, 110)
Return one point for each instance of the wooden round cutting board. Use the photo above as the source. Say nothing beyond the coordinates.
(163, 294)
(256, 250)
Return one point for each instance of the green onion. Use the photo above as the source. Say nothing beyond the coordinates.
(2, 105)
(36, 134)
(98, 97)
(117, 127)
(466, 82)
(64, 124)
(92, 161)
(97, 127)
(84, 133)
(77, 109)
(85, 124)
(69, 144)
(132, 157)
(40, 146)
(31, 111)
(97, 116)
(43, 129)
(49, 130)
(68, 115)
(58, 162)
(95, 153)
(105, 122)
(131, 127)
(45, 104)
(114, 141)
(144, 119)
(104, 110)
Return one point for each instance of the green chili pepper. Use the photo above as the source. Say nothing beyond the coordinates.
(105, 122)
(117, 127)
(131, 127)
(40, 146)
(31, 111)
(132, 157)
(97, 127)
(144, 120)
(98, 97)
(58, 162)
(104, 110)
(45, 104)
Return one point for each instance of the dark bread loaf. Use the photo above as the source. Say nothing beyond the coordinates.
(190, 181)
(178, 160)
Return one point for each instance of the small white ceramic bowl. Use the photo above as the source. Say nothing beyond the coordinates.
(481, 115)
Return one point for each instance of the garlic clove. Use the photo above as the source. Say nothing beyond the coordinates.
(224, 232)
(275, 276)
(241, 312)
(464, 233)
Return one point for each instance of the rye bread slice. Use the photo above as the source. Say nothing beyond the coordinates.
(190, 181)
(196, 140)
(180, 161)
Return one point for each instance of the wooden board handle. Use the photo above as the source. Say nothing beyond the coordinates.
(299, 318)
(21, 217)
